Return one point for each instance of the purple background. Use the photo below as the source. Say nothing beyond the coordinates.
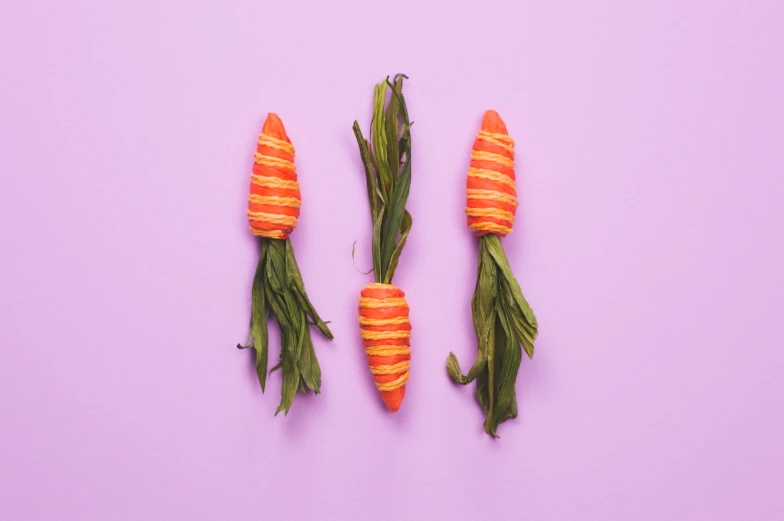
(649, 144)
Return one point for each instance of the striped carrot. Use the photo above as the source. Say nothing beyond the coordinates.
(386, 334)
(273, 212)
(503, 320)
(491, 192)
(383, 311)
(275, 199)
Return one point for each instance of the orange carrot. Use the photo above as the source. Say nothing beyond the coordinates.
(273, 206)
(383, 311)
(273, 213)
(503, 320)
(385, 329)
(491, 192)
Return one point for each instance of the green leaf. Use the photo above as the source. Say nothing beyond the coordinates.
(394, 219)
(278, 289)
(289, 347)
(385, 175)
(295, 281)
(524, 332)
(259, 321)
(370, 178)
(503, 322)
(482, 305)
(405, 229)
(392, 124)
(457, 376)
(378, 222)
(507, 364)
(309, 367)
(493, 244)
(387, 163)
(483, 391)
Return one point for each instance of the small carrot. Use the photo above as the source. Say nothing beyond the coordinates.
(503, 320)
(491, 192)
(273, 212)
(385, 330)
(275, 199)
(383, 311)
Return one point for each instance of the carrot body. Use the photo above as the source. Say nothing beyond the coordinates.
(275, 200)
(386, 335)
(491, 192)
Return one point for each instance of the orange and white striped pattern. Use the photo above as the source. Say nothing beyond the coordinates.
(386, 335)
(491, 193)
(275, 200)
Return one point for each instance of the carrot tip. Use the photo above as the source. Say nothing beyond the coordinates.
(393, 399)
(492, 122)
(273, 127)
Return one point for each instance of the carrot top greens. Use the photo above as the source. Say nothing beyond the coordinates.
(387, 161)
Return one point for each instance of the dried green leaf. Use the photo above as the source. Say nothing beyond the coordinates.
(370, 178)
(378, 222)
(295, 281)
(259, 322)
(392, 124)
(394, 219)
(309, 367)
(483, 391)
(508, 356)
(405, 229)
(291, 376)
(503, 322)
(493, 245)
(379, 144)
(387, 163)
(278, 289)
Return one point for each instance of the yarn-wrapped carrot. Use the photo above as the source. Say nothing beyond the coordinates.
(383, 311)
(273, 212)
(503, 320)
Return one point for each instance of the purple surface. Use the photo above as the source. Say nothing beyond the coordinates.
(649, 242)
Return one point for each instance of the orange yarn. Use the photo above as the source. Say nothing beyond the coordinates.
(491, 193)
(274, 202)
(386, 333)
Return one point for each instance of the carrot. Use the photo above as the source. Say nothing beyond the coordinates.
(385, 329)
(273, 213)
(491, 191)
(383, 311)
(503, 320)
(274, 202)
